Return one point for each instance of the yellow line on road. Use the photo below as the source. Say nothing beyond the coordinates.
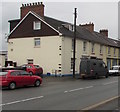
(100, 103)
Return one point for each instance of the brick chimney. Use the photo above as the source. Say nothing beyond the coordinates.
(37, 7)
(89, 26)
(104, 32)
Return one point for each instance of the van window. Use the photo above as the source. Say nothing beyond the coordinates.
(104, 65)
(101, 64)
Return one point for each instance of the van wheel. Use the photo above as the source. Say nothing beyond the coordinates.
(96, 76)
(12, 85)
(106, 76)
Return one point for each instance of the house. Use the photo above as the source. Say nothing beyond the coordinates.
(36, 38)
(3, 57)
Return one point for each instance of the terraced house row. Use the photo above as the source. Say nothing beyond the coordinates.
(36, 38)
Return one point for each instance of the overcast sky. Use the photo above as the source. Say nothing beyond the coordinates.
(104, 15)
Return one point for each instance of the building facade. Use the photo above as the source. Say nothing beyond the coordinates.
(3, 58)
(35, 38)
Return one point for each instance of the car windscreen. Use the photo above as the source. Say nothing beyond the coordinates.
(115, 68)
(3, 73)
(36, 66)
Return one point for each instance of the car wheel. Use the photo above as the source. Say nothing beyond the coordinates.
(37, 83)
(12, 85)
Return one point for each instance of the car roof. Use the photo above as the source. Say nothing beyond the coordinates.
(13, 70)
(116, 66)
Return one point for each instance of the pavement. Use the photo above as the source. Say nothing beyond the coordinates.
(62, 93)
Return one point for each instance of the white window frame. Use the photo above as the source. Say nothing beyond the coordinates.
(84, 46)
(101, 49)
(72, 44)
(37, 25)
(37, 42)
(30, 61)
(109, 50)
(114, 51)
(93, 48)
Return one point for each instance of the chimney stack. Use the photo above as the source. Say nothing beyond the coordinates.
(37, 7)
(89, 26)
(104, 32)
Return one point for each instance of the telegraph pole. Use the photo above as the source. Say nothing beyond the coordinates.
(74, 50)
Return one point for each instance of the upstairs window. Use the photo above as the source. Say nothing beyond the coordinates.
(37, 42)
(84, 46)
(101, 49)
(92, 47)
(37, 25)
(119, 53)
(109, 50)
(114, 51)
(72, 44)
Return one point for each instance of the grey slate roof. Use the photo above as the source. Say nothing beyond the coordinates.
(82, 33)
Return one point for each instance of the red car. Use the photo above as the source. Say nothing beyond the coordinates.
(18, 78)
(33, 69)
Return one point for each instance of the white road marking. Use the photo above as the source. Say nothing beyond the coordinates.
(19, 101)
(110, 82)
(77, 89)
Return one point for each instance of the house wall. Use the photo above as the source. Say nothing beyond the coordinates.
(67, 53)
(47, 55)
(2, 60)
(54, 53)
(113, 59)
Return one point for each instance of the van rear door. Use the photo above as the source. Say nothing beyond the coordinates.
(84, 66)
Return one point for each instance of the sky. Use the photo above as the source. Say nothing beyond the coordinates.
(103, 13)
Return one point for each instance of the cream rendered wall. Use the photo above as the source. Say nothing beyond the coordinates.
(47, 55)
(2, 60)
(66, 55)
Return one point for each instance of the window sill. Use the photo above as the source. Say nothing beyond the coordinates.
(101, 54)
(109, 54)
(72, 70)
(93, 53)
(36, 46)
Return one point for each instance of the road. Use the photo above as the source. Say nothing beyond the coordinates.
(61, 94)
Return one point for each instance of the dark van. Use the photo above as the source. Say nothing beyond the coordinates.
(92, 68)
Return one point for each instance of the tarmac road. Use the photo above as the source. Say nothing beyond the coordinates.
(61, 94)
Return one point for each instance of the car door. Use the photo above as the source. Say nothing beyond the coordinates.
(17, 78)
(27, 78)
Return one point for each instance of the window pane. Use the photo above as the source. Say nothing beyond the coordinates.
(37, 25)
(37, 41)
